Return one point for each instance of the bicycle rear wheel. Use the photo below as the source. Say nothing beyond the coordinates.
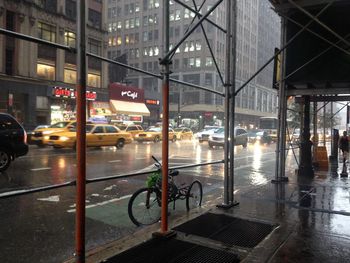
(144, 207)
(194, 195)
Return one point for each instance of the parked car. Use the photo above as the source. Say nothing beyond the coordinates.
(183, 133)
(96, 135)
(13, 140)
(218, 138)
(204, 134)
(154, 134)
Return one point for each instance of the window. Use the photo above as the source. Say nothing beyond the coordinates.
(95, 18)
(208, 61)
(94, 80)
(98, 129)
(94, 46)
(45, 71)
(198, 45)
(198, 62)
(111, 129)
(177, 14)
(46, 32)
(70, 76)
(70, 38)
(71, 9)
(42, 102)
(48, 5)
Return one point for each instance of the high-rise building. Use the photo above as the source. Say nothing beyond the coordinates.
(136, 29)
(37, 81)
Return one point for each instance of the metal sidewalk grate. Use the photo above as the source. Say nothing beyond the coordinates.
(229, 230)
(173, 251)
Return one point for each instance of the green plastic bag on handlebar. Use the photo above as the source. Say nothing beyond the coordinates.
(153, 179)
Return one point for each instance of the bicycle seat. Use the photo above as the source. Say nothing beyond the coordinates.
(173, 172)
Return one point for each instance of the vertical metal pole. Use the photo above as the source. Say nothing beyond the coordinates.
(332, 134)
(324, 123)
(315, 138)
(81, 135)
(178, 107)
(227, 102)
(233, 101)
(165, 121)
(280, 108)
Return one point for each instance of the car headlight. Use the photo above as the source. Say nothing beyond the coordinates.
(46, 137)
(258, 137)
(149, 135)
(210, 137)
(47, 132)
(136, 135)
(64, 138)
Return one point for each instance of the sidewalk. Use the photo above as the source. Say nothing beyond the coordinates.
(300, 221)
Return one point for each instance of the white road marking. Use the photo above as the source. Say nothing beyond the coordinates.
(109, 188)
(41, 169)
(115, 161)
(53, 198)
(140, 158)
(102, 203)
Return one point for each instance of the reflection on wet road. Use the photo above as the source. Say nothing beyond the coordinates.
(28, 220)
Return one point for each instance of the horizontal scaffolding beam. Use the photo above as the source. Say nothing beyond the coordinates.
(317, 91)
(323, 98)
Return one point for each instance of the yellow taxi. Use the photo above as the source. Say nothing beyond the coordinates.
(183, 133)
(154, 134)
(133, 129)
(96, 135)
(40, 133)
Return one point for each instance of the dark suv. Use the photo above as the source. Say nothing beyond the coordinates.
(13, 140)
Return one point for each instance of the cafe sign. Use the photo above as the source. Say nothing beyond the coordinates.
(122, 92)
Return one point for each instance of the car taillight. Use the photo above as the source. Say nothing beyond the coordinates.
(25, 137)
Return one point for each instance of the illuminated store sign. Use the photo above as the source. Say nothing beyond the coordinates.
(60, 92)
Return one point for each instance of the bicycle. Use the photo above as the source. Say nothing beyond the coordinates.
(144, 207)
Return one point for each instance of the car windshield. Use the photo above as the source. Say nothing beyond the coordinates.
(252, 133)
(220, 130)
(88, 128)
(154, 129)
(260, 133)
(61, 124)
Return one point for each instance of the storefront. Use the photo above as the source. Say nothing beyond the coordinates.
(127, 103)
(63, 103)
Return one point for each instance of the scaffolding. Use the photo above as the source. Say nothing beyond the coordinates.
(230, 92)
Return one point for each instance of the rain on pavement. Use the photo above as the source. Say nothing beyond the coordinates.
(42, 224)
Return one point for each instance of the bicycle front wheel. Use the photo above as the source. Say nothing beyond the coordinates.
(194, 195)
(144, 207)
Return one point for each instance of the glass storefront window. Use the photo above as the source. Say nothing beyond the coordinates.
(45, 71)
(70, 76)
(94, 80)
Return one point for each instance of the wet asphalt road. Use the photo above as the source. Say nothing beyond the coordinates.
(40, 227)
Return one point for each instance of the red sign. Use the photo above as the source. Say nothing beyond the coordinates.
(71, 93)
(152, 102)
(135, 118)
(208, 114)
(125, 93)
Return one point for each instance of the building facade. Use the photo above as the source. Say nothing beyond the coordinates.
(136, 29)
(37, 82)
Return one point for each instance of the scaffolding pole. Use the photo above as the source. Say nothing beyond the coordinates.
(81, 135)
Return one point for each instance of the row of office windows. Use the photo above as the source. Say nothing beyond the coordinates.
(48, 32)
(47, 70)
